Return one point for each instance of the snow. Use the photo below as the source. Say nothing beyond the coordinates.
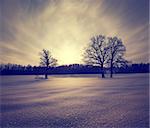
(75, 101)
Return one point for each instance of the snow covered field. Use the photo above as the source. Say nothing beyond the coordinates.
(77, 101)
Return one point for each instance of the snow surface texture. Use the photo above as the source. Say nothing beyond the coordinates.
(77, 101)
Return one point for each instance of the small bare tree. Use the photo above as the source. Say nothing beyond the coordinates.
(97, 52)
(116, 53)
(47, 60)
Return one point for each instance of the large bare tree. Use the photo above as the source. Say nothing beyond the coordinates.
(47, 60)
(97, 52)
(116, 53)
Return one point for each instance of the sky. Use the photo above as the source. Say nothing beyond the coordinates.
(65, 27)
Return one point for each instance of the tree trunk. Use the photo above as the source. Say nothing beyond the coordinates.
(103, 75)
(46, 76)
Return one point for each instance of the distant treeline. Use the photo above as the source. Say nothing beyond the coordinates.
(14, 69)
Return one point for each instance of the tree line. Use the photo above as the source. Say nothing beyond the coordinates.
(15, 69)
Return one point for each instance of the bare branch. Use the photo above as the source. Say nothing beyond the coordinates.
(46, 59)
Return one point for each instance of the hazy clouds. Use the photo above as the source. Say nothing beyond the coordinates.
(65, 27)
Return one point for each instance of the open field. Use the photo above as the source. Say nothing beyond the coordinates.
(77, 101)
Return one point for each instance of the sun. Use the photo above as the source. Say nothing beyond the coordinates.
(68, 55)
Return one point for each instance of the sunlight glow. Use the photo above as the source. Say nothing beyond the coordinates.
(68, 55)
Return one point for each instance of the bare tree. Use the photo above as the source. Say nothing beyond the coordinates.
(97, 52)
(116, 53)
(47, 60)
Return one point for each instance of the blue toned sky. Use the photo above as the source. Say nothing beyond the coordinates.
(65, 27)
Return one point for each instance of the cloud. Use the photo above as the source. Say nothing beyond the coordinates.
(66, 26)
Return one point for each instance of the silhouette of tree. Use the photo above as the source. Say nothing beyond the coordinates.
(47, 60)
(116, 53)
(97, 52)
